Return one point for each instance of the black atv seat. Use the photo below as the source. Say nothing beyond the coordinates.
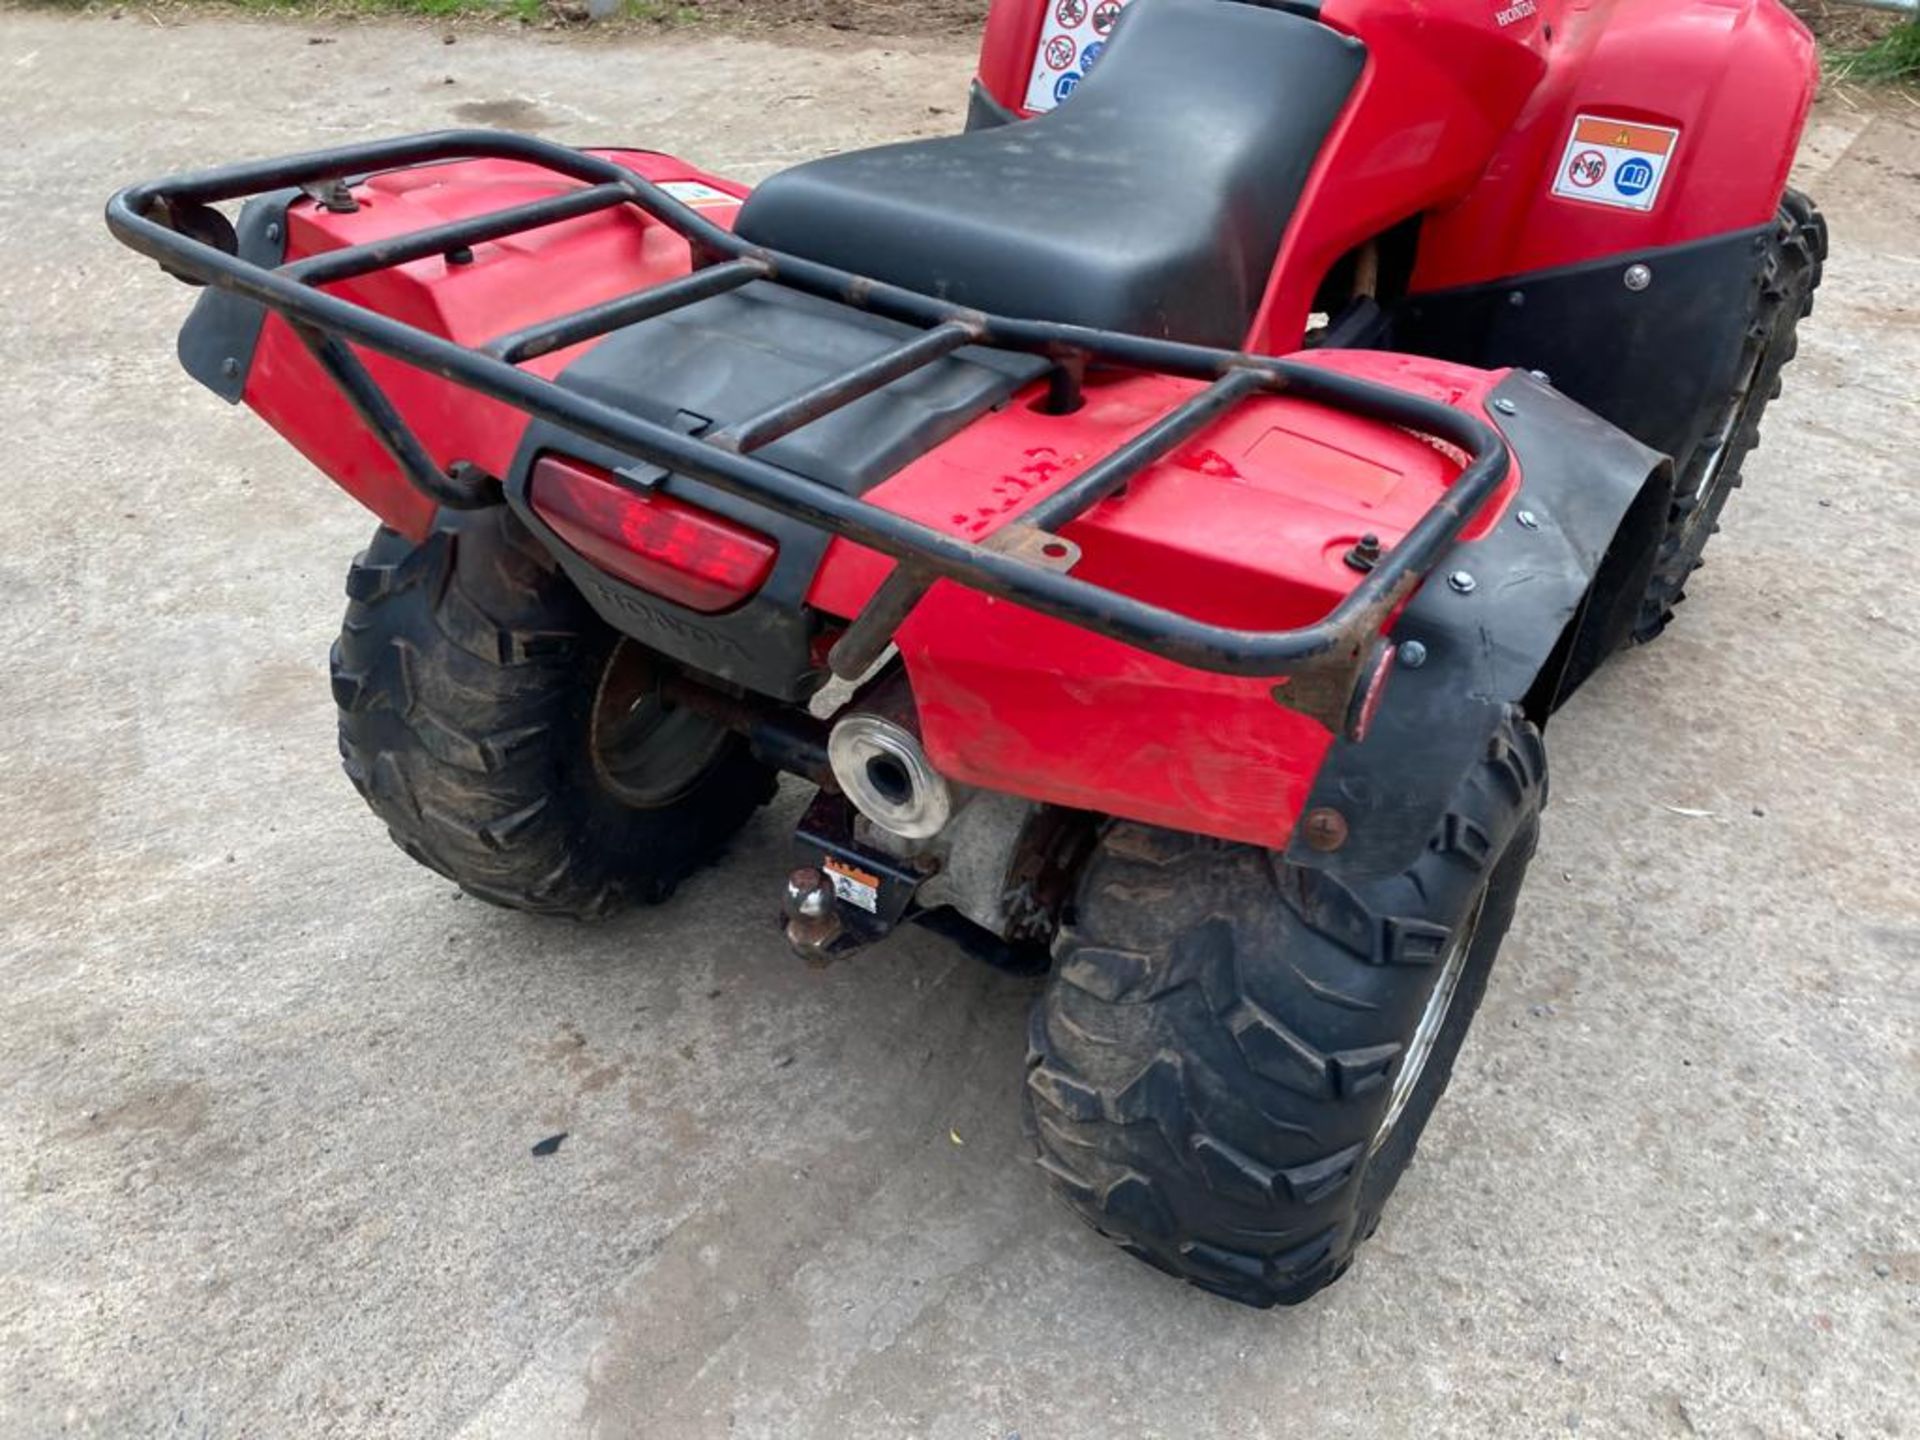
(1151, 201)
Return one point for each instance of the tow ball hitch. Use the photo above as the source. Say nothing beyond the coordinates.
(842, 897)
(812, 914)
(889, 840)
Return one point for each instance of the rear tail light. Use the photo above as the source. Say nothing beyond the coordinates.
(664, 546)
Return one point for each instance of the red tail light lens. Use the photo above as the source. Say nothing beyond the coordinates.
(664, 546)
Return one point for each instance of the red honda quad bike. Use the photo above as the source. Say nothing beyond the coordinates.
(1208, 473)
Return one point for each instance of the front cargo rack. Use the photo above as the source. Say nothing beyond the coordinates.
(1316, 668)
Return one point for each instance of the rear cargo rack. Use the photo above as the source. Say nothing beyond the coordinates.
(1316, 668)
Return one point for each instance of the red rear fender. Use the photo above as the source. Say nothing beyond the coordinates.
(1249, 527)
(504, 285)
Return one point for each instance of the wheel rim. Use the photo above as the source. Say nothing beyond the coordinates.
(1712, 470)
(647, 751)
(1433, 1020)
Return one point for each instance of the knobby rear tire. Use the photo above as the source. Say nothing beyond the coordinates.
(1211, 1064)
(466, 676)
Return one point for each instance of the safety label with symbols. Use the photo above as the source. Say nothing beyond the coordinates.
(1615, 162)
(1075, 33)
(853, 885)
(699, 194)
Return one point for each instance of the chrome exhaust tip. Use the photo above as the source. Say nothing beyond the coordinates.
(884, 771)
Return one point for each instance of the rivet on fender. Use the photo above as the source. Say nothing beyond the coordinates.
(1324, 828)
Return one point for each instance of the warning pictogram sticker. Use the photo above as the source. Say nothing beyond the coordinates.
(1615, 162)
(1070, 41)
(852, 884)
(1587, 169)
(699, 194)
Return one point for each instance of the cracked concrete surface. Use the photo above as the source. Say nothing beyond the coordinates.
(267, 1091)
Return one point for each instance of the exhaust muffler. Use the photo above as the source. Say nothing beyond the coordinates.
(884, 771)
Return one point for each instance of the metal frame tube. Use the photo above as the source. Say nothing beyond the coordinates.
(1334, 643)
(1103, 478)
(549, 335)
(803, 409)
(387, 426)
(357, 260)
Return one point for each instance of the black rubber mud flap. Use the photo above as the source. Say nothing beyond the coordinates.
(217, 343)
(1495, 625)
(1672, 344)
(986, 113)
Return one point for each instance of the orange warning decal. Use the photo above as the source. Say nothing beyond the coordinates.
(844, 871)
(853, 885)
(1620, 163)
(1618, 133)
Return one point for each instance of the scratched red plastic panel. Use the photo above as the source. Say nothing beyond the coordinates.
(1247, 527)
(510, 283)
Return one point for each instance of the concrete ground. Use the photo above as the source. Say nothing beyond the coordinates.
(267, 1091)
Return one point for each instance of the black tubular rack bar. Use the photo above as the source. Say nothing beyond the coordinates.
(1317, 666)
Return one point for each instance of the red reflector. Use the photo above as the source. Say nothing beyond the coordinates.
(665, 546)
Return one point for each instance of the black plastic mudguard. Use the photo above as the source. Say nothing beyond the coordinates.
(986, 113)
(1531, 596)
(1657, 360)
(216, 344)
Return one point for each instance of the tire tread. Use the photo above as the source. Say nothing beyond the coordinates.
(1214, 1051)
(464, 676)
